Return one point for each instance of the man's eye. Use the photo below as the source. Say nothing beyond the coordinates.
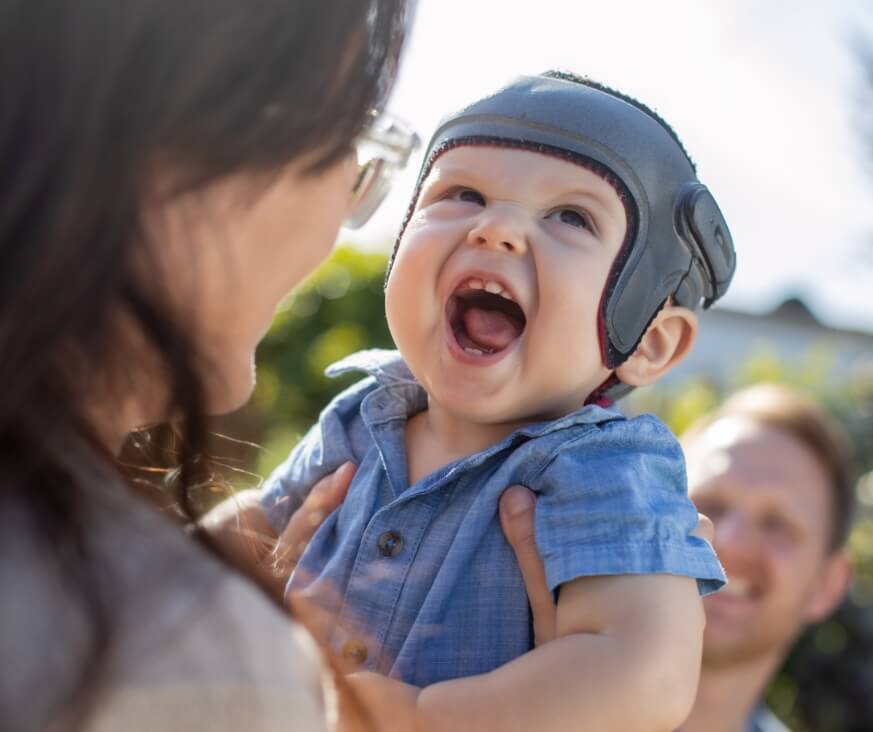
(572, 217)
(713, 509)
(468, 195)
(773, 524)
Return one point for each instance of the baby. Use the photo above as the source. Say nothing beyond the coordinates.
(556, 246)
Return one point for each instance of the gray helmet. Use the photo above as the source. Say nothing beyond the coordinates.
(678, 244)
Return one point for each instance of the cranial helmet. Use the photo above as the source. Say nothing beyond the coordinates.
(677, 245)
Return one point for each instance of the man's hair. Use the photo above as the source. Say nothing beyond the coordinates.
(803, 419)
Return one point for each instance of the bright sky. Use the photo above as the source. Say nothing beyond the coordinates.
(764, 95)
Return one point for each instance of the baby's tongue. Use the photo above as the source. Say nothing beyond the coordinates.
(490, 328)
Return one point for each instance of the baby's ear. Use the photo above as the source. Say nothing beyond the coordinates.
(667, 341)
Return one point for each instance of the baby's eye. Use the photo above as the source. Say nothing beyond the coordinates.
(468, 195)
(572, 217)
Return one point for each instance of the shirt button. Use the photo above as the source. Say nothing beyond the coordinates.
(390, 544)
(354, 651)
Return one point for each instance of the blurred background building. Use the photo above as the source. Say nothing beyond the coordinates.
(789, 333)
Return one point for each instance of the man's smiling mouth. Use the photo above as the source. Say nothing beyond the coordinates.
(484, 318)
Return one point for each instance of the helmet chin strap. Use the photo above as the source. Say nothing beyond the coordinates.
(600, 396)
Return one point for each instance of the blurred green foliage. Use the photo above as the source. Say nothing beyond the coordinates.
(827, 683)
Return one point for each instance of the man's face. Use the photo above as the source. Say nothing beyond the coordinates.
(769, 499)
(493, 296)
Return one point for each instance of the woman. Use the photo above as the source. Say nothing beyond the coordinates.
(170, 170)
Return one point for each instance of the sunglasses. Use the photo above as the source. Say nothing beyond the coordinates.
(384, 149)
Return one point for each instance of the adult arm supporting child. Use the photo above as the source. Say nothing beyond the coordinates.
(241, 530)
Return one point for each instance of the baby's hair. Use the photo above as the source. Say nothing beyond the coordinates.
(585, 81)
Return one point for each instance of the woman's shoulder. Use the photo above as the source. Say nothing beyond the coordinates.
(202, 646)
(192, 645)
(236, 662)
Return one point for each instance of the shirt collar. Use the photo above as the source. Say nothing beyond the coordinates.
(387, 367)
(390, 371)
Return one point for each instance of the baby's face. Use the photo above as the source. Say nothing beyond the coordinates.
(494, 293)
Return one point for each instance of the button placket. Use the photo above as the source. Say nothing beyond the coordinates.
(389, 557)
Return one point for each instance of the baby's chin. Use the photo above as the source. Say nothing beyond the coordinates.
(504, 404)
(490, 412)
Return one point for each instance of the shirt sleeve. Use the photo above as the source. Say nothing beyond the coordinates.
(323, 449)
(613, 501)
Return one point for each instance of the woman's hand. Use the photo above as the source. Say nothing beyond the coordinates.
(240, 529)
(517, 521)
(324, 498)
(390, 703)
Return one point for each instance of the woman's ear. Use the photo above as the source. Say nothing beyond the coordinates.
(667, 341)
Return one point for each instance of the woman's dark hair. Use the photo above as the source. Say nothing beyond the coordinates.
(98, 96)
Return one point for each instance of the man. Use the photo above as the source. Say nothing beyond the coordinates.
(770, 469)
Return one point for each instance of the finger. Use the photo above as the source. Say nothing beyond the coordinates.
(323, 499)
(320, 615)
(517, 521)
(705, 528)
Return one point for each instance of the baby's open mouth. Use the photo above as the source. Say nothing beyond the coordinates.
(484, 318)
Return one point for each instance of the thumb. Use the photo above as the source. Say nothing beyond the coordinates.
(517, 506)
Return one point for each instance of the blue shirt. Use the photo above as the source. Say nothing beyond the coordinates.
(763, 720)
(426, 585)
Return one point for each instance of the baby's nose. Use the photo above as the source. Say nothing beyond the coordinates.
(500, 229)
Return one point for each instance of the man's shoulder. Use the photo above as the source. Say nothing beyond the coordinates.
(763, 720)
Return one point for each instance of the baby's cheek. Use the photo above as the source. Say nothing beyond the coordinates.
(407, 311)
(406, 285)
(572, 355)
(396, 296)
(412, 259)
(571, 317)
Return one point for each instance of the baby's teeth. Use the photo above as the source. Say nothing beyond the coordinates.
(495, 288)
(474, 351)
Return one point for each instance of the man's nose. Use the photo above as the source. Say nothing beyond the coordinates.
(501, 228)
